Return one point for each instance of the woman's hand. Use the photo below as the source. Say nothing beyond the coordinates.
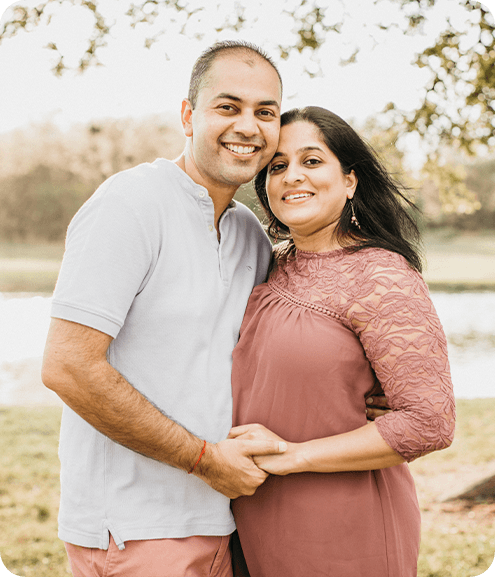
(276, 464)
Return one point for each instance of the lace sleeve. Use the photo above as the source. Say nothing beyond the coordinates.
(396, 322)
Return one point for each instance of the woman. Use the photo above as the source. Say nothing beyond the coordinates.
(344, 308)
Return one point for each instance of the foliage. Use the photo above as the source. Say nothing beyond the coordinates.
(449, 181)
(459, 101)
(481, 178)
(459, 193)
(458, 107)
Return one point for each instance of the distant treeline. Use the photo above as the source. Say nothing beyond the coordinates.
(46, 174)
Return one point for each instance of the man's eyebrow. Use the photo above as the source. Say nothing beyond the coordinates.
(238, 99)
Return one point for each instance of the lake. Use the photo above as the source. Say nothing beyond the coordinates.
(468, 319)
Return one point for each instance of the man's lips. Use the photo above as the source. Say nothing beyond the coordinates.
(242, 149)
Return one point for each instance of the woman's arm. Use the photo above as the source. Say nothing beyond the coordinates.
(360, 450)
(403, 339)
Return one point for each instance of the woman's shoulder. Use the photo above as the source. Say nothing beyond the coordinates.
(379, 257)
(374, 262)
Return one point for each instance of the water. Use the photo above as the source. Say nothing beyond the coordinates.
(468, 320)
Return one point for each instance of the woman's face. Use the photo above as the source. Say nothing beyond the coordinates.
(306, 187)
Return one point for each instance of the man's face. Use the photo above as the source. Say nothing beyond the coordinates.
(235, 126)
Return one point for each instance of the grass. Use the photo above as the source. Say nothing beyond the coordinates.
(458, 537)
(29, 492)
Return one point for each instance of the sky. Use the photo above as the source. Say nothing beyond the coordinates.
(136, 82)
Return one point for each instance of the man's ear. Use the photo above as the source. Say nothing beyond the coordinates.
(186, 117)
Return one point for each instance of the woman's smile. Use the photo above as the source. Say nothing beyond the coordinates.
(293, 195)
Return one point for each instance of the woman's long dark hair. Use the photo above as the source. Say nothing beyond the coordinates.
(380, 207)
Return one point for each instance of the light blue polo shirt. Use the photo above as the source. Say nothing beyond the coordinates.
(144, 265)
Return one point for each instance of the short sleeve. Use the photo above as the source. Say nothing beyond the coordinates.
(107, 260)
(403, 339)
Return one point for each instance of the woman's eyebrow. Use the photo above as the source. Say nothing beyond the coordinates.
(299, 150)
(306, 148)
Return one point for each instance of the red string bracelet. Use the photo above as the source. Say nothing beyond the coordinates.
(203, 450)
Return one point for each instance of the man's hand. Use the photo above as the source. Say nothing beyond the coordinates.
(274, 463)
(376, 406)
(229, 467)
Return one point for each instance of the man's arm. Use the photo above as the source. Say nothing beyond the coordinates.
(76, 368)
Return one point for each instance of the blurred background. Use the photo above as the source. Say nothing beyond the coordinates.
(92, 87)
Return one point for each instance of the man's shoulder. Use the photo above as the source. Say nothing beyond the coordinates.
(144, 172)
(247, 214)
(141, 182)
(254, 232)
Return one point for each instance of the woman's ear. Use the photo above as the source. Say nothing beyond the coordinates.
(186, 117)
(351, 183)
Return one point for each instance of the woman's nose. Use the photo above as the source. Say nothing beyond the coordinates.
(293, 173)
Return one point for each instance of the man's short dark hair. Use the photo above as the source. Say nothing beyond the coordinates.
(205, 62)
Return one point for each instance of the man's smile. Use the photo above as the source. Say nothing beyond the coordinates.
(241, 149)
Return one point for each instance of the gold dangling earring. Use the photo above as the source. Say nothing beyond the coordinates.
(354, 220)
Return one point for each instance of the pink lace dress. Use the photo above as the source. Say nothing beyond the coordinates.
(314, 341)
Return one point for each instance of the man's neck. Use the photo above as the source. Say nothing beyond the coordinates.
(220, 195)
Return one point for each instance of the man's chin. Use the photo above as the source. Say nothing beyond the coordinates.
(241, 175)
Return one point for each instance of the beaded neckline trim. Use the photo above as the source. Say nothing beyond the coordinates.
(297, 301)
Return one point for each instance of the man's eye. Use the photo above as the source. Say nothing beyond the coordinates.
(227, 107)
(266, 113)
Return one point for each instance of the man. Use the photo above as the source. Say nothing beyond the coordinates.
(158, 268)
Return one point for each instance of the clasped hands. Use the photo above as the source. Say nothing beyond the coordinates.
(280, 463)
(292, 459)
(238, 465)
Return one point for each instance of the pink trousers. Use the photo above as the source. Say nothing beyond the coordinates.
(189, 557)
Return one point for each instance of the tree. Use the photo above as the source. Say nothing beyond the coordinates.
(457, 111)
(459, 102)
(458, 107)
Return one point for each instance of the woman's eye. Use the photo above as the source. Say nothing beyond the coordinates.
(277, 167)
(312, 161)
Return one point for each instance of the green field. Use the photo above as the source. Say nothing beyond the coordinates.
(458, 537)
(455, 261)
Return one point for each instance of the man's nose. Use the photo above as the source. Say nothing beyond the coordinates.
(247, 124)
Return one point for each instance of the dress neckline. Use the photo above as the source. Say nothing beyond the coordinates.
(309, 254)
